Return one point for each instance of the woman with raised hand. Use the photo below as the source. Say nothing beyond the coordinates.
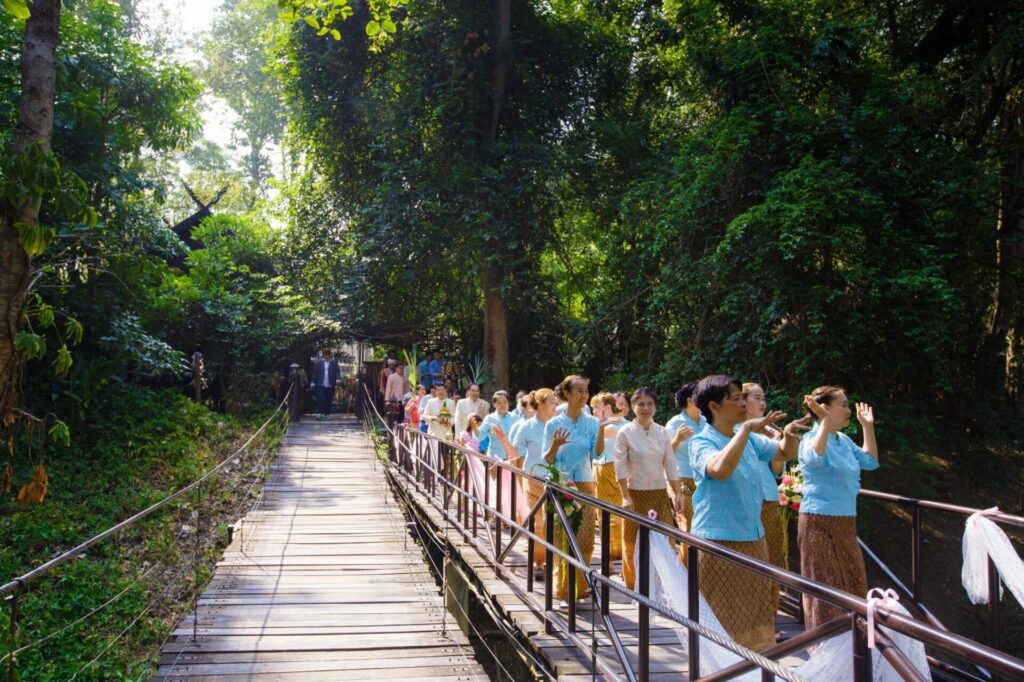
(771, 512)
(571, 440)
(527, 440)
(827, 529)
(603, 407)
(644, 463)
(726, 457)
(497, 425)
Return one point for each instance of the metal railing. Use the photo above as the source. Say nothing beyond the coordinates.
(438, 469)
(13, 589)
(912, 595)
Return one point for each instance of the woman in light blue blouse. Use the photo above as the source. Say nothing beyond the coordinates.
(572, 440)
(726, 458)
(504, 420)
(528, 439)
(827, 530)
(683, 427)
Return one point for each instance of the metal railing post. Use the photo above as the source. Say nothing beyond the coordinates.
(497, 517)
(693, 606)
(861, 653)
(549, 536)
(644, 588)
(531, 552)
(993, 604)
(915, 556)
(606, 558)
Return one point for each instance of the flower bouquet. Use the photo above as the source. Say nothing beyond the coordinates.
(791, 492)
(570, 505)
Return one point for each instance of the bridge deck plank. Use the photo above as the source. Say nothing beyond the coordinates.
(321, 581)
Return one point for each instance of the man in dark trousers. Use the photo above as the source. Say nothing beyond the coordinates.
(326, 375)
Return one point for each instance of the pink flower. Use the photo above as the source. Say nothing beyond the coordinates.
(783, 500)
(787, 480)
(795, 506)
(567, 497)
(798, 488)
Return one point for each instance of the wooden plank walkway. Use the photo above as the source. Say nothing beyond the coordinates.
(321, 581)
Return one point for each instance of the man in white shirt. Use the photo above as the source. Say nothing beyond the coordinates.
(437, 424)
(468, 406)
(394, 391)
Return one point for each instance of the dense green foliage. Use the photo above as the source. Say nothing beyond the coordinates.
(139, 446)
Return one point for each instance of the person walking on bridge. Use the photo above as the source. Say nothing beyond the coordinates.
(438, 413)
(326, 375)
(468, 406)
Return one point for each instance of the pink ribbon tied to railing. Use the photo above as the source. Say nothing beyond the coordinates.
(878, 597)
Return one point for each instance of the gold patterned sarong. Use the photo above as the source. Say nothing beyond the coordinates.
(534, 491)
(740, 599)
(829, 554)
(687, 487)
(585, 538)
(643, 502)
(609, 491)
(771, 519)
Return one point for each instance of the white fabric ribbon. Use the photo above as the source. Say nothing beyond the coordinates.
(984, 540)
(879, 597)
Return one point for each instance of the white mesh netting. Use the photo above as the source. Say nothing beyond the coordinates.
(831, 661)
(984, 539)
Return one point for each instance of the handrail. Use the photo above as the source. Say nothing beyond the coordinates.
(997, 516)
(959, 645)
(18, 583)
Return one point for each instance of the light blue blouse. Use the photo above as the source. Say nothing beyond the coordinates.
(573, 458)
(527, 438)
(494, 447)
(608, 456)
(831, 481)
(728, 509)
(682, 451)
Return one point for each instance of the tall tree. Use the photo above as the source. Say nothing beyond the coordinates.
(21, 209)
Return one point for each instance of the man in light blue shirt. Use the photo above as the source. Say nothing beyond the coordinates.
(423, 372)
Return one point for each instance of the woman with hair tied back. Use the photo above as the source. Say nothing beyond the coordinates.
(527, 440)
(571, 440)
(827, 529)
(604, 407)
(726, 457)
(644, 463)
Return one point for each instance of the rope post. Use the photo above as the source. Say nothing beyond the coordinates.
(915, 556)
(531, 553)
(497, 518)
(12, 634)
(198, 560)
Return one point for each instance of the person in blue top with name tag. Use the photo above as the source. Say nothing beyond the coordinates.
(726, 457)
(827, 530)
(528, 439)
(571, 440)
(499, 425)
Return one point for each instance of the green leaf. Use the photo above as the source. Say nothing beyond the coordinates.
(17, 8)
(60, 433)
(73, 330)
(336, 34)
(31, 345)
(372, 29)
(312, 21)
(62, 363)
(389, 26)
(46, 315)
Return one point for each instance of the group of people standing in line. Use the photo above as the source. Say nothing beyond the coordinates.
(711, 470)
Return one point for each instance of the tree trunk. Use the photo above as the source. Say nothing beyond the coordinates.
(492, 274)
(1002, 346)
(35, 127)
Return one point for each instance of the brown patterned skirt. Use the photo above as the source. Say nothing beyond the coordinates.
(829, 554)
(534, 491)
(609, 491)
(585, 538)
(771, 519)
(643, 502)
(740, 599)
